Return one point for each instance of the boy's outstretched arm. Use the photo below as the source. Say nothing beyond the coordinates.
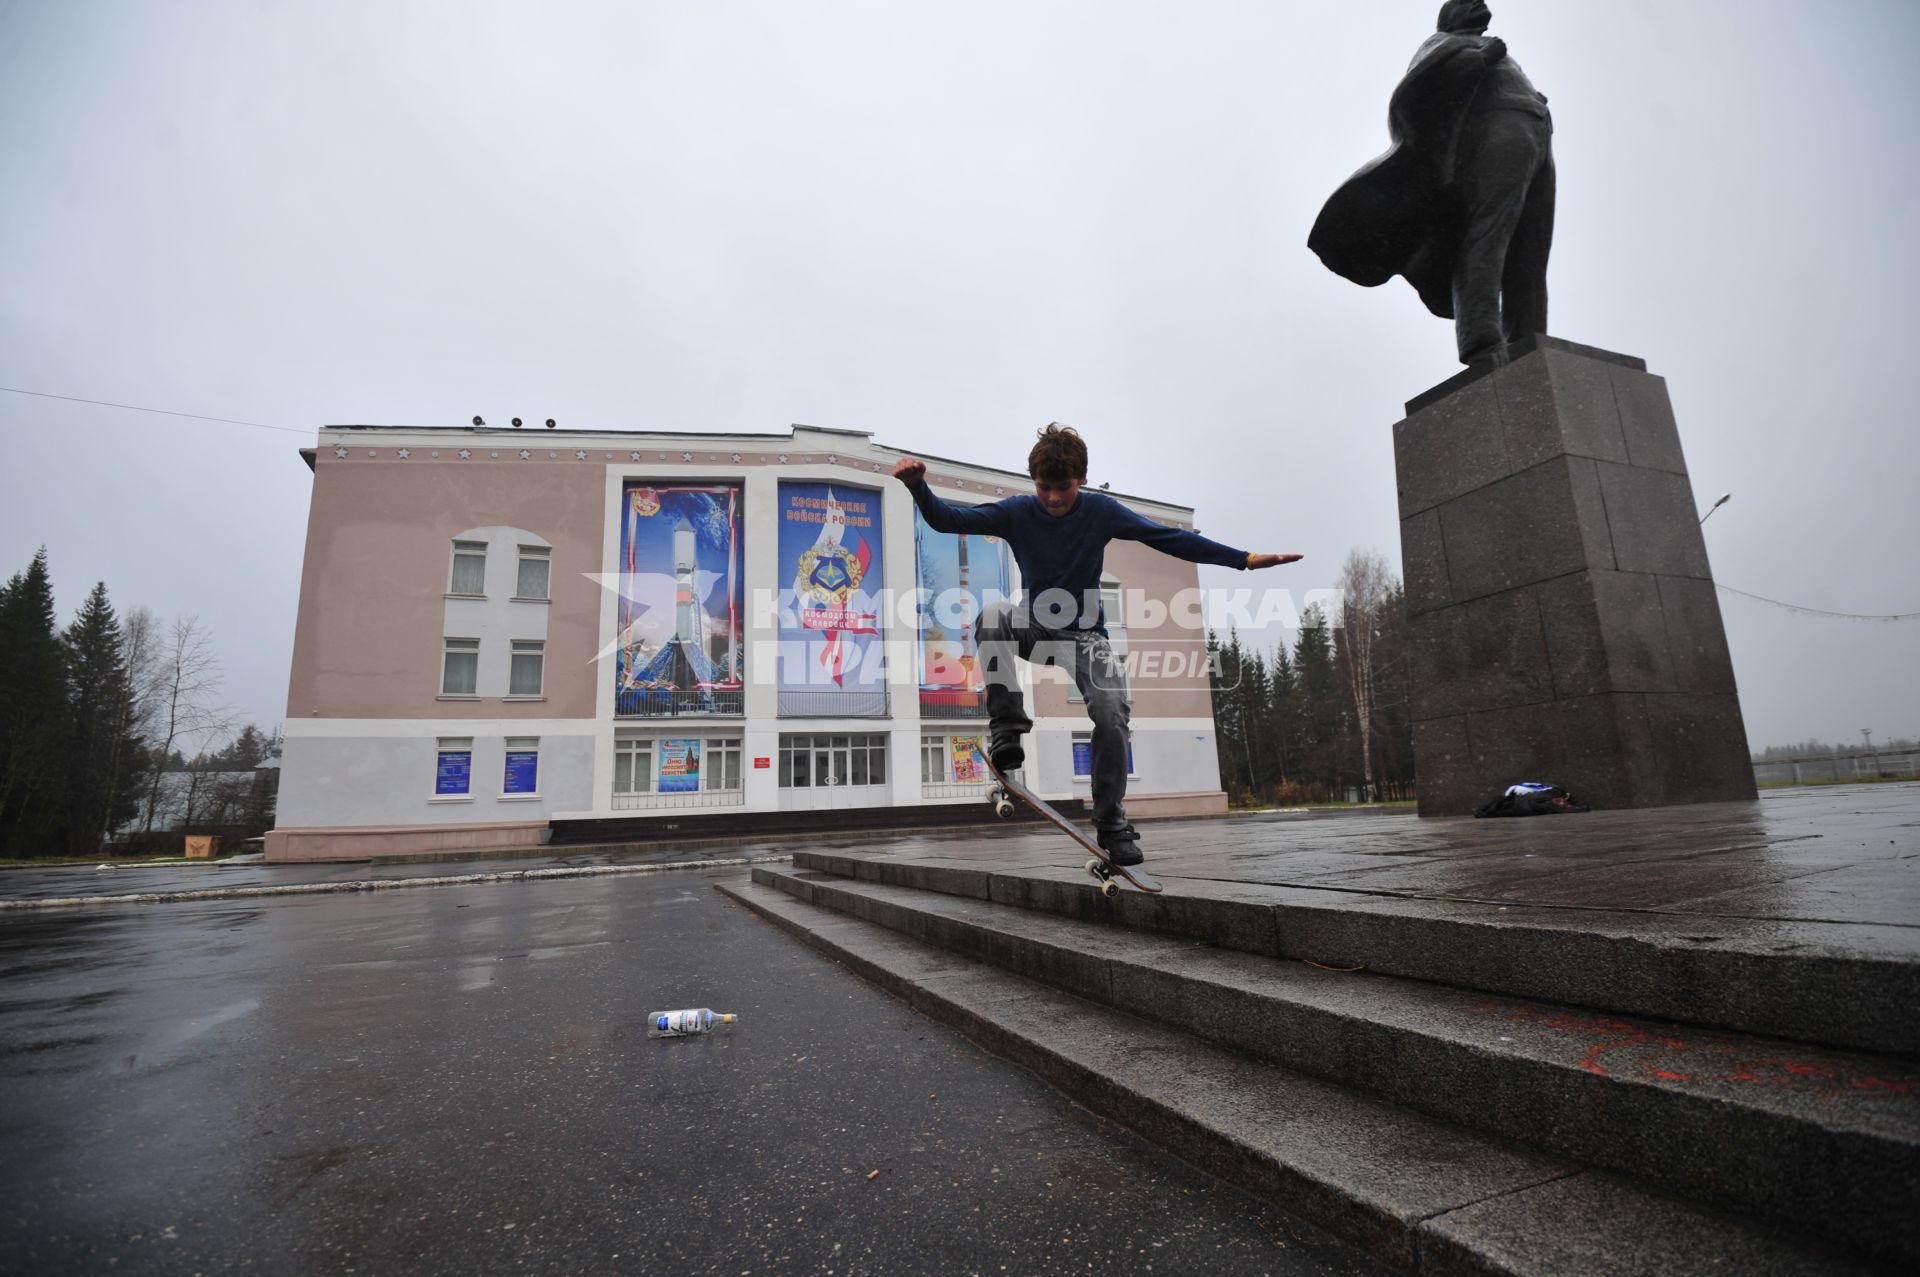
(1190, 546)
(940, 516)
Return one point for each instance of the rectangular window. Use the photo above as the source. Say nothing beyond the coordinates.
(933, 760)
(813, 762)
(523, 765)
(723, 765)
(469, 568)
(536, 563)
(460, 669)
(454, 775)
(676, 766)
(633, 767)
(1083, 756)
(529, 668)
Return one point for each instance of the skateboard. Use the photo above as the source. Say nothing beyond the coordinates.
(1006, 789)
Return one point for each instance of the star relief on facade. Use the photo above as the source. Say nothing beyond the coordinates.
(580, 454)
(340, 453)
(685, 456)
(525, 455)
(465, 453)
(633, 456)
(404, 453)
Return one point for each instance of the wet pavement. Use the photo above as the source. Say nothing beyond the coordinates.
(1847, 855)
(458, 1080)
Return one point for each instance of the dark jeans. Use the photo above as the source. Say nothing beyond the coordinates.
(1007, 629)
(1506, 192)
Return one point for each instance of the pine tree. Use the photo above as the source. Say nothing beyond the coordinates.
(1318, 691)
(103, 774)
(33, 715)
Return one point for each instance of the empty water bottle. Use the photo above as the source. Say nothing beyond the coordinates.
(678, 1024)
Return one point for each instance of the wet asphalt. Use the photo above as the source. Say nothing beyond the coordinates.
(458, 1080)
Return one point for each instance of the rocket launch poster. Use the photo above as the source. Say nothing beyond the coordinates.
(832, 577)
(958, 575)
(680, 588)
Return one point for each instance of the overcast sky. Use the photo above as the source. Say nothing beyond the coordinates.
(945, 224)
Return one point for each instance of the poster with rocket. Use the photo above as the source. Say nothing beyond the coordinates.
(679, 634)
(832, 579)
(958, 575)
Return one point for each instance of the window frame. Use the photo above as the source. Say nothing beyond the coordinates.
(467, 549)
(519, 745)
(451, 646)
(799, 753)
(518, 648)
(452, 745)
(542, 554)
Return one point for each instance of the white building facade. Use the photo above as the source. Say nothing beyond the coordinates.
(512, 636)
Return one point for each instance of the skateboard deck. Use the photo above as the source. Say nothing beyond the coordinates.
(1006, 789)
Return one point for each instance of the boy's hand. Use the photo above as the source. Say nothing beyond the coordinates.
(909, 471)
(1272, 560)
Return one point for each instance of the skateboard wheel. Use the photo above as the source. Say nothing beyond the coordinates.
(1002, 808)
(1109, 888)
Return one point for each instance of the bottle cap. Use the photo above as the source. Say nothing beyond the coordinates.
(728, 1019)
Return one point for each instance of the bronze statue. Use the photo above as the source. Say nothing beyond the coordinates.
(1462, 202)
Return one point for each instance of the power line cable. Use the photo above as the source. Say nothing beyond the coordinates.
(232, 421)
(1818, 611)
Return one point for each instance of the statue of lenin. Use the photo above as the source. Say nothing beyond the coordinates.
(1462, 202)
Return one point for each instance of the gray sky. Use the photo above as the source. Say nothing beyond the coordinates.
(946, 224)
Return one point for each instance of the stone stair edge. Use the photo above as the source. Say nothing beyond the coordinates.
(1476, 1236)
(1752, 1113)
(1614, 961)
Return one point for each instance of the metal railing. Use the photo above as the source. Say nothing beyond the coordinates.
(952, 704)
(954, 789)
(673, 702)
(833, 702)
(702, 798)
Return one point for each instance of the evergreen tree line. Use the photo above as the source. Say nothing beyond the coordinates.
(95, 719)
(1330, 718)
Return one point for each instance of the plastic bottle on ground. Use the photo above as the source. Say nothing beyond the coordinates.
(678, 1024)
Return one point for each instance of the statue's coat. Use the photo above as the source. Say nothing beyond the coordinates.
(1400, 214)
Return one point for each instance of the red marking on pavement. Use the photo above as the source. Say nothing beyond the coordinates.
(1617, 1036)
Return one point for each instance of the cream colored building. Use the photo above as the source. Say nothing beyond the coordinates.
(466, 675)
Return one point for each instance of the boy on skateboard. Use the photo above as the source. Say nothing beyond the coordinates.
(1059, 538)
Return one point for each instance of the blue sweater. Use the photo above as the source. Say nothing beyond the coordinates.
(1067, 553)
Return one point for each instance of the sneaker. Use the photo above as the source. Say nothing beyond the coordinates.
(1006, 751)
(1122, 845)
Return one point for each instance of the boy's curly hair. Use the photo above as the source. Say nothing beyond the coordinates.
(1060, 454)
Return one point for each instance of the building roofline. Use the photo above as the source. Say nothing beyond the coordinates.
(562, 432)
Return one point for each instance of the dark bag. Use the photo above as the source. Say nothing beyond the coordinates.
(1530, 798)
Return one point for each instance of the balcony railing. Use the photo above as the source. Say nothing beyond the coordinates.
(672, 702)
(833, 702)
(659, 802)
(954, 704)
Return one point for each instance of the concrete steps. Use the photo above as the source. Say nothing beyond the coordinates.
(1809, 982)
(1424, 1194)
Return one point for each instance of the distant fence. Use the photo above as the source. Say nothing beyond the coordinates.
(1839, 766)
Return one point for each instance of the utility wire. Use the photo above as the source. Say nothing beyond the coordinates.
(259, 425)
(1817, 611)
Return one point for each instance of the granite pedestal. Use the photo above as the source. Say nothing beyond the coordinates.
(1562, 611)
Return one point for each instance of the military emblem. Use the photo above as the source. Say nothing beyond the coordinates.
(646, 502)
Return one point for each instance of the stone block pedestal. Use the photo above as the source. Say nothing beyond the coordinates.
(1562, 612)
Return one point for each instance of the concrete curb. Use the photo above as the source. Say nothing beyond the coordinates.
(384, 884)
